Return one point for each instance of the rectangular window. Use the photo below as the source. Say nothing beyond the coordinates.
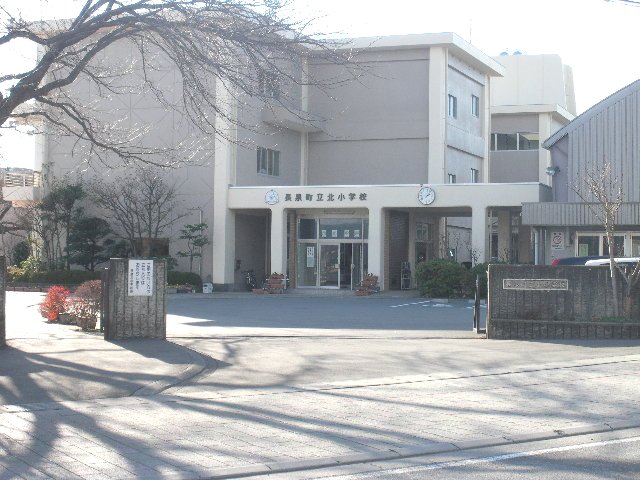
(618, 242)
(475, 106)
(452, 178)
(515, 141)
(422, 232)
(474, 175)
(453, 106)
(635, 246)
(506, 141)
(528, 141)
(268, 85)
(268, 162)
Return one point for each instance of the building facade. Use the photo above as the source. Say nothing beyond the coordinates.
(386, 171)
(607, 134)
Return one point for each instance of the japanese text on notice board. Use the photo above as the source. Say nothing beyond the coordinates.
(140, 278)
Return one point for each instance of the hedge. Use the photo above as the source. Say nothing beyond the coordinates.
(184, 278)
(54, 277)
(76, 277)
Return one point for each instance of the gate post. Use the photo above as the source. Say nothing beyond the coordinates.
(135, 299)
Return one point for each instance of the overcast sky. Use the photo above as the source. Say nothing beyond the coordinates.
(595, 37)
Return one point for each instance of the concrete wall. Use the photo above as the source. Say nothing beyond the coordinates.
(378, 124)
(512, 166)
(526, 123)
(534, 80)
(127, 316)
(135, 108)
(584, 310)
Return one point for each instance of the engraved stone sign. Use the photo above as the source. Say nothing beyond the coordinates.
(535, 284)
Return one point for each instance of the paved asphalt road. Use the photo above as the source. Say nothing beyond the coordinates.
(282, 313)
(282, 341)
(606, 456)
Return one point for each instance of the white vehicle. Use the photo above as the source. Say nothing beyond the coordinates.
(622, 261)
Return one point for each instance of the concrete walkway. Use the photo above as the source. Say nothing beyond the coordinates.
(207, 433)
(53, 362)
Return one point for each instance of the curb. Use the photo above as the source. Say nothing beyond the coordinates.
(409, 452)
(198, 365)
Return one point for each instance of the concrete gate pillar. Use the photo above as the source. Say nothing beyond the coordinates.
(134, 299)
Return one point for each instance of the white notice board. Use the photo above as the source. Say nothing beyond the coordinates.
(140, 278)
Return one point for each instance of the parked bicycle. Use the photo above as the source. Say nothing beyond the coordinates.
(250, 281)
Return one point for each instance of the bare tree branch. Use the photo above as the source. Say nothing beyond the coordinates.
(602, 192)
(233, 45)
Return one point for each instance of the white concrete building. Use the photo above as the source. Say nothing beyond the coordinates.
(331, 188)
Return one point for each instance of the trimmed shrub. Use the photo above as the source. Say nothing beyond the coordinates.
(84, 306)
(443, 278)
(184, 278)
(54, 303)
(58, 277)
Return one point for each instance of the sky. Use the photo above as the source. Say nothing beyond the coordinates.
(597, 38)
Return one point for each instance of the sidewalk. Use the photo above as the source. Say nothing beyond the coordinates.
(242, 432)
(52, 362)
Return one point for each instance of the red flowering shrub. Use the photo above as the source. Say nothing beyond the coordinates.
(54, 303)
(84, 306)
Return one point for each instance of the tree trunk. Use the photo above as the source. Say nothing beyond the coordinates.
(614, 274)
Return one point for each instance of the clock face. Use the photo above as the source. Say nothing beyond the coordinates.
(271, 197)
(426, 195)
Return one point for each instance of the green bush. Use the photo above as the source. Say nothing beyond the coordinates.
(184, 278)
(443, 278)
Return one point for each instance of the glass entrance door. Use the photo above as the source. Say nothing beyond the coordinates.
(329, 268)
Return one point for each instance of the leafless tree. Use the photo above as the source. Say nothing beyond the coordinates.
(141, 206)
(242, 48)
(602, 191)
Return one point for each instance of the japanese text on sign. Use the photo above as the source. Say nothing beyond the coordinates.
(140, 278)
(325, 197)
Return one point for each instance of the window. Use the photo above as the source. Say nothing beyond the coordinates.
(474, 175)
(596, 244)
(528, 141)
(635, 246)
(424, 242)
(152, 247)
(268, 162)
(475, 106)
(452, 178)
(423, 232)
(453, 106)
(515, 141)
(506, 141)
(618, 242)
(268, 85)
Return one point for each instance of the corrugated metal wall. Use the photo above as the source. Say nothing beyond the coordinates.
(575, 214)
(613, 136)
